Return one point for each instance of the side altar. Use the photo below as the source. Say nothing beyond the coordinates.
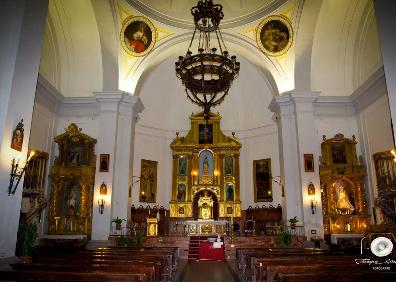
(205, 181)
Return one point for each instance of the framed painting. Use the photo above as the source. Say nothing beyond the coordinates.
(205, 133)
(148, 182)
(262, 180)
(104, 162)
(309, 163)
(182, 166)
(17, 137)
(138, 36)
(274, 35)
(338, 153)
(228, 165)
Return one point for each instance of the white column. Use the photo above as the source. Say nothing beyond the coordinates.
(283, 107)
(386, 22)
(21, 29)
(295, 120)
(306, 140)
(107, 120)
(129, 108)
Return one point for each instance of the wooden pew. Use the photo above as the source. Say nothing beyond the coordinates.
(22, 276)
(325, 272)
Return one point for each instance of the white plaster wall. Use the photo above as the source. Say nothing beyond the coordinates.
(257, 144)
(377, 133)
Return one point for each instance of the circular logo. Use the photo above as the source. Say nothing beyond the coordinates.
(381, 246)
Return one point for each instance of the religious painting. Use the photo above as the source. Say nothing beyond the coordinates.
(338, 153)
(262, 180)
(181, 192)
(104, 162)
(182, 167)
(274, 35)
(148, 182)
(228, 165)
(345, 198)
(17, 137)
(138, 36)
(309, 163)
(71, 198)
(205, 133)
(230, 192)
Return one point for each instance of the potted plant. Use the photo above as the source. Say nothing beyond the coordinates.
(293, 222)
(27, 235)
(284, 238)
(118, 222)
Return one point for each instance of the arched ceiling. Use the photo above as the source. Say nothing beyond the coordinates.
(81, 50)
(345, 48)
(178, 12)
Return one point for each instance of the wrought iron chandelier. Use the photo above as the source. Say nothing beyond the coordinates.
(207, 75)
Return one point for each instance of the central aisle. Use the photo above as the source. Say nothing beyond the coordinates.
(207, 271)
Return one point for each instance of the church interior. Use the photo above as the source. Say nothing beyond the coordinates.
(224, 140)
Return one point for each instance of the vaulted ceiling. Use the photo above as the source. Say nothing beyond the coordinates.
(336, 46)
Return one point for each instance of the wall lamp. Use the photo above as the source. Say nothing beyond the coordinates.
(311, 195)
(17, 173)
(101, 200)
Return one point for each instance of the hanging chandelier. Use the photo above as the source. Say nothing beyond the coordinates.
(208, 74)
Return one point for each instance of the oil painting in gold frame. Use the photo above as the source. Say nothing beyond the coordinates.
(148, 182)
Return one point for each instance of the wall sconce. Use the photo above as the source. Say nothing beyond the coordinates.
(101, 200)
(17, 173)
(311, 195)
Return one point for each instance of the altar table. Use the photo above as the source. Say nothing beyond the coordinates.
(207, 252)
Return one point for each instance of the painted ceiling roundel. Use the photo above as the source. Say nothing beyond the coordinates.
(138, 36)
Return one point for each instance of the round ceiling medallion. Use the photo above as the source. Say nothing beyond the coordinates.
(138, 36)
(274, 35)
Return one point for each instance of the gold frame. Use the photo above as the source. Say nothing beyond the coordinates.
(288, 25)
(104, 158)
(255, 162)
(153, 30)
(148, 171)
(307, 158)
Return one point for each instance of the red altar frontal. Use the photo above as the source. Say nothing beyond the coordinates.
(211, 251)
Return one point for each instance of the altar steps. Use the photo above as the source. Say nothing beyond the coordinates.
(193, 246)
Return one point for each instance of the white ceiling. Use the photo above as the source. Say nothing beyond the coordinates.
(180, 9)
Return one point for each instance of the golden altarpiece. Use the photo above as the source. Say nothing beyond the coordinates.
(72, 182)
(342, 185)
(205, 182)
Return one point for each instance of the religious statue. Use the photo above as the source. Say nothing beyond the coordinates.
(205, 207)
(206, 166)
(343, 202)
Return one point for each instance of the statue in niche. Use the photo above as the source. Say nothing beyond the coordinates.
(229, 192)
(343, 203)
(181, 193)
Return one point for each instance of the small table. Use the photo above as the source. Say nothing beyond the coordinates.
(207, 252)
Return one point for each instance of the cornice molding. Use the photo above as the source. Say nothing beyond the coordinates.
(48, 95)
(225, 24)
(370, 90)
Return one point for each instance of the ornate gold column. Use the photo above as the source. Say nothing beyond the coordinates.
(237, 183)
(221, 176)
(190, 177)
(174, 178)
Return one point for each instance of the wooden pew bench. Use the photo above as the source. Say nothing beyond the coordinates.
(58, 276)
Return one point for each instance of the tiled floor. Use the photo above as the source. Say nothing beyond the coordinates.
(207, 271)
